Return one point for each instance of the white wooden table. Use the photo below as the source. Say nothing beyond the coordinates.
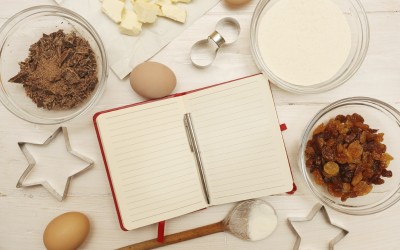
(24, 213)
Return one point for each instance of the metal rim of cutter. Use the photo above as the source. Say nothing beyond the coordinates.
(32, 163)
(317, 207)
(216, 40)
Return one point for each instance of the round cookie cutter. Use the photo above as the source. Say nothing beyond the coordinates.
(204, 52)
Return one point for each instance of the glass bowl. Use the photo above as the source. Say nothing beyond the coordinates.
(378, 115)
(18, 34)
(359, 28)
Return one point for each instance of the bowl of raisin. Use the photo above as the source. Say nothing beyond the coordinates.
(349, 155)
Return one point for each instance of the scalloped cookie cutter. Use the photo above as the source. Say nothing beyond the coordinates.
(204, 52)
(309, 217)
(32, 163)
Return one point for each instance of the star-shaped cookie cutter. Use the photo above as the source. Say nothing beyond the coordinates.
(32, 163)
(309, 217)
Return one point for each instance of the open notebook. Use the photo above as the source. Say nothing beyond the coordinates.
(176, 155)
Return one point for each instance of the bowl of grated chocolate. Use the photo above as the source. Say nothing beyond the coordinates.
(53, 65)
(349, 155)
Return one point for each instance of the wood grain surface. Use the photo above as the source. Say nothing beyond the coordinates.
(24, 213)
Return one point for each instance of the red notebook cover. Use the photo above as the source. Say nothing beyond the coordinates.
(145, 102)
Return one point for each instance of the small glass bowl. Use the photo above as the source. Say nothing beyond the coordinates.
(358, 23)
(18, 34)
(377, 115)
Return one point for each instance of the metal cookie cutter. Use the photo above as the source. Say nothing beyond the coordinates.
(32, 163)
(204, 52)
(309, 217)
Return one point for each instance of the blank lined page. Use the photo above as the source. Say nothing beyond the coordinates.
(153, 171)
(240, 141)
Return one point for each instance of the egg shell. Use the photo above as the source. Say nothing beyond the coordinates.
(152, 80)
(66, 232)
(236, 2)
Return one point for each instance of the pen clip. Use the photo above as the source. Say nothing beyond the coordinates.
(188, 129)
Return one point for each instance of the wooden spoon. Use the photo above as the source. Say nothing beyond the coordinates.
(235, 223)
(178, 237)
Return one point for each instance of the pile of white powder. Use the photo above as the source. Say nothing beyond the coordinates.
(252, 220)
(262, 221)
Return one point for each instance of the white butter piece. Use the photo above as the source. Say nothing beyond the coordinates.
(174, 12)
(113, 9)
(146, 12)
(130, 24)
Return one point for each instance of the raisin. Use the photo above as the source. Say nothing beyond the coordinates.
(340, 118)
(333, 190)
(356, 179)
(350, 137)
(363, 137)
(374, 178)
(320, 143)
(386, 173)
(319, 129)
(355, 149)
(378, 181)
(318, 161)
(309, 152)
(318, 178)
(381, 148)
(361, 126)
(346, 187)
(330, 142)
(331, 168)
(344, 197)
(362, 188)
(356, 118)
(328, 153)
(386, 158)
(375, 166)
(309, 163)
(342, 157)
(376, 156)
(368, 173)
(346, 179)
(327, 179)
(379, 137)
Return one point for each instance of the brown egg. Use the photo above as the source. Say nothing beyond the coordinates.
(237, 2)
(66, 232)
(152, 80)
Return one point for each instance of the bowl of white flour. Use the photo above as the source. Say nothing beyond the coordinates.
(309, 46)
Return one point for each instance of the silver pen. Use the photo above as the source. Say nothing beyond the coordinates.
(195, 149)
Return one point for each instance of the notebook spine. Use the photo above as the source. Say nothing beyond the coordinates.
(194, 147)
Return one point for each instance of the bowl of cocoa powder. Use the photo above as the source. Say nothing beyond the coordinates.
(349, 155)
(53, 65)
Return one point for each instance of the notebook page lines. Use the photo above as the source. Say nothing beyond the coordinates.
(152, 168)
(238, 140)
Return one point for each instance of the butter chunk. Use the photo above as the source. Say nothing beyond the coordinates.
(113, 9)
(174, 12)
(130, 24)
(146, 12)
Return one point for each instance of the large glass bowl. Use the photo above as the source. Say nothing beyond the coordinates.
(377, 115)
(18, 34)
(358, 23)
